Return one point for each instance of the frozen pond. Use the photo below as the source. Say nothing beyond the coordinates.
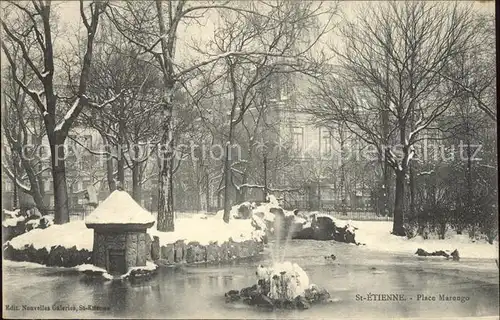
(198, 291)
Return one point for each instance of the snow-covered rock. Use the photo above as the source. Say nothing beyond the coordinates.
(12, 222)
(90, 269)
(9, 214)
(67, 235)
(281, 285)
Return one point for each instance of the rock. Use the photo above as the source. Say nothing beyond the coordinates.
(155, 248)
(302, 303)
(55, 256)
(349, 237)
(262, 301)
(34, 213)
(167, 253)
(179, 248)
(323, 295)
(44, 223)
(212, 252)
(323, 228)
(249, 291)
(422, 253)
(141, 275)
(305, 233)
(148, 245)
(455, 255)
(263, 286)
(259, 214)
(163, 262)
(277, 211)
(316, 295)
(245, 211)
(225, 251)
(232, 295)
(195, 252)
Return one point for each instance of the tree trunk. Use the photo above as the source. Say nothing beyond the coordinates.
(165, 202)
(136, 183)
(412, 192)
(39, 201)
(397, 227)
(109, 169)
(197, 175)
(386, 192)
(470, 191)
(207, 190)
(227, 172)
(61, 213)
(265, 177)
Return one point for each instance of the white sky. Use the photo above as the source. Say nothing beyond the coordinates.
(70, 20)
(69, 13)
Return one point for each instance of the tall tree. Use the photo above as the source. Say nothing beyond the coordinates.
(23, 132)
(287, 33)
(154, 28)
(39, 29)
(394, 59)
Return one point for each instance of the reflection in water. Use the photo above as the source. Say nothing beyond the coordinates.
(198, 291)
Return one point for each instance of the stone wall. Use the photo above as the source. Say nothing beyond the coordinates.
(170, 254)
(194, 252)
(134, 244)
(57, 256)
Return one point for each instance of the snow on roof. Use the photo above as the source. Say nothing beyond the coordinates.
(119, 208)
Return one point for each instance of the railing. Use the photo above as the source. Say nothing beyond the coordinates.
(336, 210)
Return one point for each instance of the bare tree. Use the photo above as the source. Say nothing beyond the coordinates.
(394, 61)
(23, 132)
(285, 34)
(39, 30)
(127, 125)
(154, 29)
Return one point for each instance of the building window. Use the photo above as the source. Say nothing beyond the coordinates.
(298, 138)
(326, 142)
(8, 186)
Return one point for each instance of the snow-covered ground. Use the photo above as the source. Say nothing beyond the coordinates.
(76, 233)
(376, 235)
(206, 229)
(67, 235)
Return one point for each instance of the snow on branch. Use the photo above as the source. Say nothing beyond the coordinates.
(392, 160)
(36, 96)
(425, 173)
(418, 127)
(19, 183)
(105, 103)
(71, 114)
(237, 171)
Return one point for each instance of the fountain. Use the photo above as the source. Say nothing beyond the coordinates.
(283, 285)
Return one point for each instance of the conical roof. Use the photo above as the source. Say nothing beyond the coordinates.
(119, 208)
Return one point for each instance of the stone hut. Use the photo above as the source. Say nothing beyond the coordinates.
(119, 225)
